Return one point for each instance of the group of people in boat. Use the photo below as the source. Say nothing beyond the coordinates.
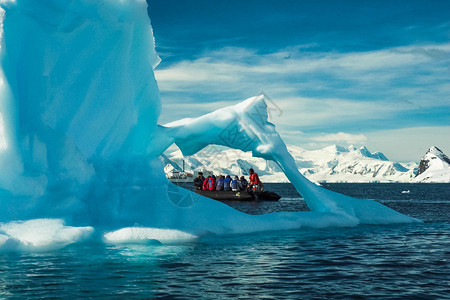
(228, 183)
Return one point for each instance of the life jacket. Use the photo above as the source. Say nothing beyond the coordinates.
(210, 184)
(205, 183)
(254, 179)
(234, 184)
(226, 183)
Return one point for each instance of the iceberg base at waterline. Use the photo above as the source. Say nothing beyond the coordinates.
(80, 143)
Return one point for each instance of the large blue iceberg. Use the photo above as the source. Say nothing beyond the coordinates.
(80, 143)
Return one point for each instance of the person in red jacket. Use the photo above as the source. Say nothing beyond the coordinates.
(205, 183)
(255, 183)
(210, 183)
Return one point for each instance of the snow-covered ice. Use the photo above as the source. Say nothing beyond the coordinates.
(40, 235)
(80, 140)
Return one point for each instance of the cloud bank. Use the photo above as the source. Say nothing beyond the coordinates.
(321, 94)
(341, 137)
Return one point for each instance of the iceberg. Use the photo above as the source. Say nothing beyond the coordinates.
(80, 142)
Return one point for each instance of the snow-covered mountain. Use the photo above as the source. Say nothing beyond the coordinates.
(331, 164)
(433, 167)
(352, 164)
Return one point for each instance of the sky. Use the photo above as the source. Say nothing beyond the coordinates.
(373, 73)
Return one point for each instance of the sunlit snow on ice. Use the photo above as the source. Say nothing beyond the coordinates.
(40, 235)
(143, 235)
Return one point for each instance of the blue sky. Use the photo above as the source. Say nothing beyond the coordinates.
(374, 73)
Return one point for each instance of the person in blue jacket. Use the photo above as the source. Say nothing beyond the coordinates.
(220, 181)
(226, 183)
(235, 184)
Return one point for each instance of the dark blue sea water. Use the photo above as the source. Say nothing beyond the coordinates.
(364, 262)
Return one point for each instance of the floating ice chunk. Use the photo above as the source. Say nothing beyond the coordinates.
(145, 234)
(40, 235)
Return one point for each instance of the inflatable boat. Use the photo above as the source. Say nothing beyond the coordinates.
(240, 196)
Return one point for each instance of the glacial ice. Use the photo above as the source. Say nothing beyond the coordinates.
(143, 235)
(80, 144)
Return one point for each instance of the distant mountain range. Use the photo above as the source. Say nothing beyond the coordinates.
(330, 164)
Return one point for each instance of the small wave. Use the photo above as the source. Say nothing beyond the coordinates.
(291, 199)
(440, 201)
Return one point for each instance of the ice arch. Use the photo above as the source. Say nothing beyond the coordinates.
(79, 106)
(245, 126)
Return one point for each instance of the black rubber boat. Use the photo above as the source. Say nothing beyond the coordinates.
(240, 196)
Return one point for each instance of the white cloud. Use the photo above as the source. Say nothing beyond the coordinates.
(304, 112)
(231, 66)
(409, 144)
(367, 83)
(341, 137)
(291, 132)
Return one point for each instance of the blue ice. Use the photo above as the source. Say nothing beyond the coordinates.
(80, 143)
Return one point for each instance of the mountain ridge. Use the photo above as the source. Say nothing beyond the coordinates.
(330, 164)
(433, 167)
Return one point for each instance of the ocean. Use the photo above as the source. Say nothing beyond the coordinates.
(366, 262)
